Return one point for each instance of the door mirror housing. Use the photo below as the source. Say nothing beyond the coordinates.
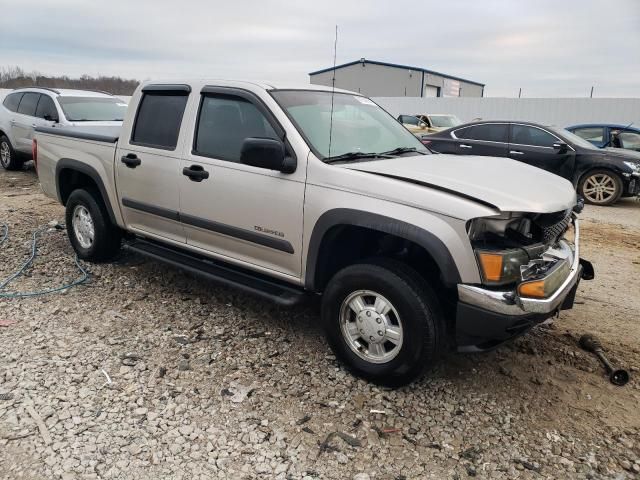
(51, 118)
(267, 153)
(561, 147)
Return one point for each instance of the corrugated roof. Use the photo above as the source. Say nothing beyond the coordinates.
(396, 65)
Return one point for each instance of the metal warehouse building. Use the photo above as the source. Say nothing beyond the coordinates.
(381, 79)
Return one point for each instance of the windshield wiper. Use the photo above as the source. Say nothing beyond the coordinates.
(399, 150)
(354, 156)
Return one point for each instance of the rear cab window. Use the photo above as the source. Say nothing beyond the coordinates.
(159, 116)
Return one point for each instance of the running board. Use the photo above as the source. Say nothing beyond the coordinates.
(224, 274)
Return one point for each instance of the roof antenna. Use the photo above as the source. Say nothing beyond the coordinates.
(333, 88)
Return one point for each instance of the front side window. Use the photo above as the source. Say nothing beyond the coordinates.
(355, 124)
(46, 108)
(92, 109)
(594, 134)
(488, 132)
(28, 104)
(223, 125)
(158, 120)
(12, 101)
(536, 137)
(409, 120)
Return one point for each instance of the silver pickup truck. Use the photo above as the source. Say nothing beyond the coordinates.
(291, 193)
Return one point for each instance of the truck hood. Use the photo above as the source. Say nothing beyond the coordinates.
(505, 184)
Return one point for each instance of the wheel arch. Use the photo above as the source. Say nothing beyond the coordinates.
(330, 229)
(72, 174)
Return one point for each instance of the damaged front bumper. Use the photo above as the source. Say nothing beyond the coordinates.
(485, 318)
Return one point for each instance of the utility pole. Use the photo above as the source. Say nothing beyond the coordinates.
(520, 92)
(591, 96)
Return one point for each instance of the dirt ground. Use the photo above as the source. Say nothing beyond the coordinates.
(145, 372)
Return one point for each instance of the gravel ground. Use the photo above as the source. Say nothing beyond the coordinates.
(147, 373)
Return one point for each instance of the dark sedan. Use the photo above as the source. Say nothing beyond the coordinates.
(601, 176)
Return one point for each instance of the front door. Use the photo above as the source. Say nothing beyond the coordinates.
(535, 146)
(244, 214)
(148, 164)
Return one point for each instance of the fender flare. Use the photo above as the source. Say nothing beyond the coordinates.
(71, 164)
(350, 217)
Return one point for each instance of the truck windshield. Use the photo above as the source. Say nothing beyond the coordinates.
(359, 127)
(92, 109)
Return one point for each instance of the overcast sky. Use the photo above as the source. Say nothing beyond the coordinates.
(548, 47)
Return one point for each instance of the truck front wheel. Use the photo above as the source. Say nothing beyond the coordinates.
(90, 230)
(383, 321)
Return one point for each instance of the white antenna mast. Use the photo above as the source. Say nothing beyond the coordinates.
(333, 87)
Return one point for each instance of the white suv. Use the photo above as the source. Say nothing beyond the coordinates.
(25, 109)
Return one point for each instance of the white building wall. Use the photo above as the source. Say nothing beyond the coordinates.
(562, 112)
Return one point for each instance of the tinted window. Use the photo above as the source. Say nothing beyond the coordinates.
(489, 132)
(12, 101)
(158, 120)
(46, 108)
(28, 104)
(591, 134)
(223, 125)
(524, 135)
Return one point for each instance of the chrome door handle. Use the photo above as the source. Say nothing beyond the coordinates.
(462, 145)
(516, 152)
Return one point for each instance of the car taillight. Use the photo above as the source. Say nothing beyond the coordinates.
(425, 142)
(34, 153)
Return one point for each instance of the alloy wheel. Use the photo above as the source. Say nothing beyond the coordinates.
(5, 154)
(599, 188)
(83, 227)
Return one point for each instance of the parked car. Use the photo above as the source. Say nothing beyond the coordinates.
(263, 189)
(423, 124)
(609, 135)
(602, 177)
(24, 109)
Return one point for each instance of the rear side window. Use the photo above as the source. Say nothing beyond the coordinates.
(28, 104)
(46, 108)
(488, 132)
(536, 137)
(223, 125)
(12, 101)
(158, 120)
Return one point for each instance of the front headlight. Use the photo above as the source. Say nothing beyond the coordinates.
(633, 166)
(501, 267)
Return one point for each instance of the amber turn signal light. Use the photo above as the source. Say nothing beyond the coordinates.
(491, 266)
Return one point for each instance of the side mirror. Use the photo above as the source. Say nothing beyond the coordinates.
(266, 153)
(51, 118)
(561, 147)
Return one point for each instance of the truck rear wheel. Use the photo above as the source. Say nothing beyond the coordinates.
(383, 321)
(90, 230)
(8, 156)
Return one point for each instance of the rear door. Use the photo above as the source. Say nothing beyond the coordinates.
(535, 146)
(485, 139)
(148, 163)
(24, 122)
(242, 213)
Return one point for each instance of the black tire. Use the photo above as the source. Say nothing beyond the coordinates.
(107, 237)
(586, 182)
(9, 158)
(424, 332)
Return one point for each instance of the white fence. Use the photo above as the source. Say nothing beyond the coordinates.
(562, 112)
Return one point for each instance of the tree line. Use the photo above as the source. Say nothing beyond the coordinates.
(15, 77)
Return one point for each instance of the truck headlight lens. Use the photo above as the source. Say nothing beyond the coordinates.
(501, 267)
(545, 287)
